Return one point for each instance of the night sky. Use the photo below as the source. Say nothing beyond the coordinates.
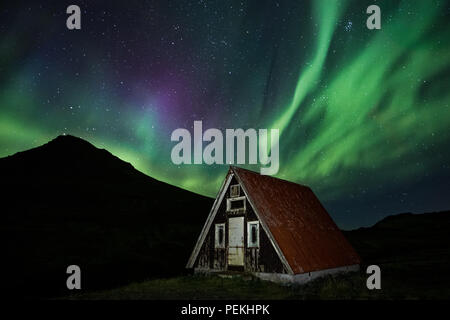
(363, 114)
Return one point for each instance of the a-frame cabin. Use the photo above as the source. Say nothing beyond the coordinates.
(272, 228)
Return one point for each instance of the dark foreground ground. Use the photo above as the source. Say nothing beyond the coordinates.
(411, 250)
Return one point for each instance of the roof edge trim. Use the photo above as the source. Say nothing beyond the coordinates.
(210, 219)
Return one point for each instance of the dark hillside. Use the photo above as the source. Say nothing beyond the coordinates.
(413, 251)
(68, 202)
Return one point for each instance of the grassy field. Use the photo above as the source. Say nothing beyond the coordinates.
(395, 285)
(214, 287)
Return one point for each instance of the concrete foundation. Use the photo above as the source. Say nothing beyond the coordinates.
(285, 278)
(304, 277)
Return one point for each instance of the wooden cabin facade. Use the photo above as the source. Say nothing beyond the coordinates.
(271, 228)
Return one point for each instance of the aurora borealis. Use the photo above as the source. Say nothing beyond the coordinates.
(363, 114)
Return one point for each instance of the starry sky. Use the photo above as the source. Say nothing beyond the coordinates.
(363, 114)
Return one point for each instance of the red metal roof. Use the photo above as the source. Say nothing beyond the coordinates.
(304, 231)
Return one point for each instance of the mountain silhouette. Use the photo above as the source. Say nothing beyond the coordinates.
(68, 202)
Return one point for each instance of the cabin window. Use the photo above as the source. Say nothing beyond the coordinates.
(253, 234)
(236, 205)
(235, 191)
(220, 235)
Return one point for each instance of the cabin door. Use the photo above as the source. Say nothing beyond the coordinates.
(236, 241)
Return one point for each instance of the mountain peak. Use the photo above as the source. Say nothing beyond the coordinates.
(69, 197)
(68, 139)
(67, 155)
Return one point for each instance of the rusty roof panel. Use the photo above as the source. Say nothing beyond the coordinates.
(307, 236)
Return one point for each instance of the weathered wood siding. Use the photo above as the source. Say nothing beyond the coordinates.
(262, 259)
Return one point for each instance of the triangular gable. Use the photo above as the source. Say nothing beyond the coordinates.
(221, 194)
(301, 231)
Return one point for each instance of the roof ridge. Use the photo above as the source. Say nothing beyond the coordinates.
(269, 176)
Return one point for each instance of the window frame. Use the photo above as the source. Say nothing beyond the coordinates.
(238, 186)
(218, 245)
(249, 233)
(238, 210)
